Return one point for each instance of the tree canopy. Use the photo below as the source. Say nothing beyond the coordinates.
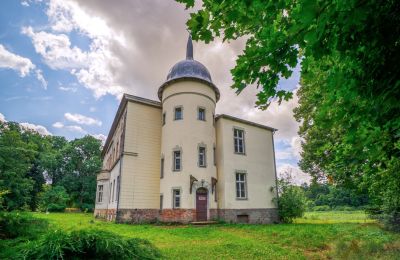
(349, 105)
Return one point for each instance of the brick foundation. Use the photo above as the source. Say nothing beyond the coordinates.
(251, 216)
(108, 214)
(178, 215)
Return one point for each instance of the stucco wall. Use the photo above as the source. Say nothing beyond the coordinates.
(258, 163)
(140, 180)
(187, 134)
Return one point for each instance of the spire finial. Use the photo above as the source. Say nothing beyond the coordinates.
(189, 49)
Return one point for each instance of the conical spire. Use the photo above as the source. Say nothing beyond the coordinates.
(189, 49)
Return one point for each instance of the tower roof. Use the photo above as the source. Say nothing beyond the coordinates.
(189, 69)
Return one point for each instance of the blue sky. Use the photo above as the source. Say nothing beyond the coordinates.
(64, 65)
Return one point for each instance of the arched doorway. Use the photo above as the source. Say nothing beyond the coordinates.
(201, 204)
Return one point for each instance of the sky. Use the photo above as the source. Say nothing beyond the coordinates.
(64, 65)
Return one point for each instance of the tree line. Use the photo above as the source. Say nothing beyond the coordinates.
(46, 172)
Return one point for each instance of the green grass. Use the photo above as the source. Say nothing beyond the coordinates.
(318, 235)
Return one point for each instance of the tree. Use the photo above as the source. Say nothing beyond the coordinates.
(82, 162)
(53, 199)
(349, 106)
(291, 201)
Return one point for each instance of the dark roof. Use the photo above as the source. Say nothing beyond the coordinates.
(121, 108)
(189, 69)
(245, 122)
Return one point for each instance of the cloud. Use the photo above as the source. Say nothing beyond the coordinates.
(81, 119)
(13, 61)
(294, 173)
(25, 3)
(75, 128)
(37, 128)
(58, 125)
(40, 77)
(71, 89)
(101, 137)
(2, 118)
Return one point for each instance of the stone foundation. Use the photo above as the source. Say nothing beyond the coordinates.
(137, 215)
(251, 216)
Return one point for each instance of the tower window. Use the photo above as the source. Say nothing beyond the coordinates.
(176, 198)
(201, 114)
(178, 113)
(241, 192)
(162, 168)
(202, 156)
(100, 193)
(177, 161)
(238, 139)
(163, 118)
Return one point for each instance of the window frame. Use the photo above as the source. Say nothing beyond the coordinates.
(175, 109)
(204, 113)
(243, 173)
(100, 190)
(239, 130)
(204, 165)
(174, 196)
(174, 168)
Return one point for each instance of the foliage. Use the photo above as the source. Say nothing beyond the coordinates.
(291, 201)
(17, 224)
(53, 199)
(28, 159)
(350, 89)
(312, 237)
(89, 244)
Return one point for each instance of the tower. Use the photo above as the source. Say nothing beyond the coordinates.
(188, 170)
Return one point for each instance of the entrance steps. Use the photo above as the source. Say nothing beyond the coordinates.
(203, 223)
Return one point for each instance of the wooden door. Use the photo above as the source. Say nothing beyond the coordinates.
(201, 204)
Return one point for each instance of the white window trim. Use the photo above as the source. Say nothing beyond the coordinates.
(245, 185)
(198, 113)
(181, 107)
(173, 197)
(244, 141)
(177, 149)
(205, 155)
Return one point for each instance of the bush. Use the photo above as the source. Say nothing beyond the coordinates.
(53, 199)
(344, 208)
(86, 207)
(89, 244)
(291, 201)
(321, 208)
(16, 224)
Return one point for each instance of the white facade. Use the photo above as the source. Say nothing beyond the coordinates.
(176, 161)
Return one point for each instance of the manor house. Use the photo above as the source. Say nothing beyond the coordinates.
(175, 160)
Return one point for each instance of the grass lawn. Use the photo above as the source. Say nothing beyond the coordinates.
(318, 235)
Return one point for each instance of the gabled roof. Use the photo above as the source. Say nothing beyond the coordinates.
(243, 121)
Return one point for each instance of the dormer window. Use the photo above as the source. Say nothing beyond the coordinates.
(178, 113)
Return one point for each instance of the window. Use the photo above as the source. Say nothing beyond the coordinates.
(163, 118)
(162, 168)
(201, 114)
(117, 190)
(241, 192)
(178, 113)
(202, 156)
(109, 200)
(177, 161)
(113, 190)
(238, 138)
(214, 156)
(161, 201)
(176, 198)
(100, 194)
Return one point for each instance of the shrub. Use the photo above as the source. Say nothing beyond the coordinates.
(53, 199)
(344, 208)
(89, 244)
(17, 224)
(291, 201)
(321, 208)
(86, 207)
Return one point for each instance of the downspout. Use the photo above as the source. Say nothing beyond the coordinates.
(276, 177)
